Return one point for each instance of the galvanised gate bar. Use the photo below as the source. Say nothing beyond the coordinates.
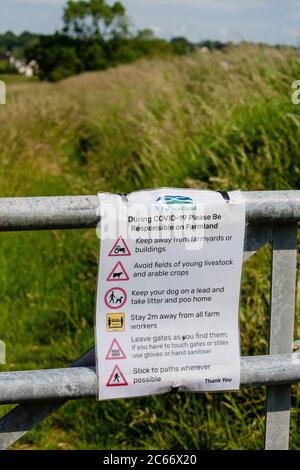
(272, 217)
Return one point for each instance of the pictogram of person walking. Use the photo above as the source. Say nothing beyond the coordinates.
(112, 298)
(117, 377)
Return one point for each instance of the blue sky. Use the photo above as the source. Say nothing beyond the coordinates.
(272, 21)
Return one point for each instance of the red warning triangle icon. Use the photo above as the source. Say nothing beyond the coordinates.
(120, 248)
(118, 273)
(116, 378)
(115, 351)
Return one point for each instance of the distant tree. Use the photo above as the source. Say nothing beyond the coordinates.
(146, 34)
(56, 56)
(92, 55)
(8, 40)
(182, 46)
(95, 18)
(213, 44)
(16, 44)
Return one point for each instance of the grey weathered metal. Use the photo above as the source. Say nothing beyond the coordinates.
(283, 291)
(44, 213)
(272, 216)
(81, 382)
(24, 417)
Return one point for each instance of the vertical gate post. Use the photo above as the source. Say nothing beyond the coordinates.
(282, 313)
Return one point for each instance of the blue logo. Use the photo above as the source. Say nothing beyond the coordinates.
(174, 200)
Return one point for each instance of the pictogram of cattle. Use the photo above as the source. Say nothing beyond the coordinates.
(117, 275)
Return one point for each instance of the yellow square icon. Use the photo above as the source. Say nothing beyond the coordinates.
(115, 322)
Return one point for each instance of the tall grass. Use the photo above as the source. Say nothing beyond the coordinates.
(215, 120)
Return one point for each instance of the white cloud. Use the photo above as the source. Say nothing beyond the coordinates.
(224, 5)
(39, 2)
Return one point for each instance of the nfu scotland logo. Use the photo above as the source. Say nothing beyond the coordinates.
(170, 200)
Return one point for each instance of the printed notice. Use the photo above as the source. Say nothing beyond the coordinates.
(168, 292)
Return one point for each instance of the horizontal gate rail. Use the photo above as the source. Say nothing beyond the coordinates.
(81, 382)
(70, 212)
(24, 417)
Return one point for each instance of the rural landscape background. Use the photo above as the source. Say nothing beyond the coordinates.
(217, 119)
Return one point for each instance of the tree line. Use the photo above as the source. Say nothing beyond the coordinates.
(15, 44)
(95, 36)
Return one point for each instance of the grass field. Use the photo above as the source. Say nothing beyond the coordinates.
(16, 78)
(220, 120)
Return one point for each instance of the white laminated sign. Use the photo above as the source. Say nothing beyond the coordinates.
(168, 292)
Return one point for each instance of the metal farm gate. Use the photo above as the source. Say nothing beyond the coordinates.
(272, 217)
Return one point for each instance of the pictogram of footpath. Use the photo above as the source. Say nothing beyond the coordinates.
(116, 378)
